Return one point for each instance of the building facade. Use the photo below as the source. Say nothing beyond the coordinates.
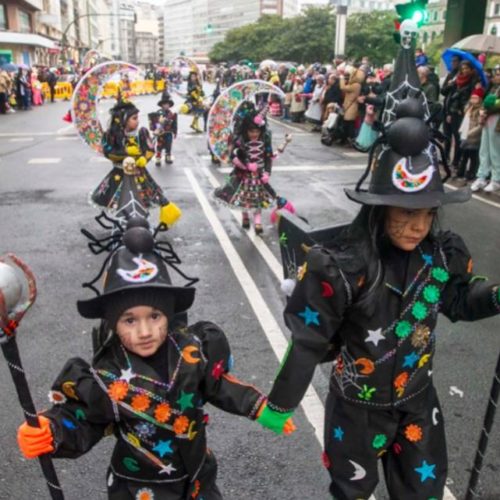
(492, 21)
(193, 27)
(434, 27)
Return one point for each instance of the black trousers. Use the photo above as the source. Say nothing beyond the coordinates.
(451, 131)
(471, 157)
(3, 102)
(204, 487)
(410, 443)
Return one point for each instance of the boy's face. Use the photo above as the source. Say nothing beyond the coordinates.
(407, 228)
(142, 330)
(165, 107)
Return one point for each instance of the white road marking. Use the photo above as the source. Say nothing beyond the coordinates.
(22, 139)
(99, 159)
(24, 134)
(67, 138)
(307, 168)
(354, 154)
(42, 161)
(65, 129)
(311, 404)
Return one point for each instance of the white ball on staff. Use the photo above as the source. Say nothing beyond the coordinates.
(10, 286)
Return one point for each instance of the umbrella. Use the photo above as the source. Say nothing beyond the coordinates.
(480, 43)
(9, 67)
(448, 54)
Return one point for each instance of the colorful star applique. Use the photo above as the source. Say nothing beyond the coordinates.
(366, 392)
(168, 469)
(375, 336)
(185, 400)
(163, 447)
(426, 471)
(413, 433)
(428, 259)
(218, 369)
(338, 433)
(310, 316)
(127, 375)
(410, 360)
(379, 441)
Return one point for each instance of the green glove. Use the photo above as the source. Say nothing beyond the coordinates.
(489, 101)
(273, 420)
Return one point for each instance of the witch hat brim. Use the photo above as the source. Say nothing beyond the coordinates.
(407, 200)
(162, 101)
(96, 307)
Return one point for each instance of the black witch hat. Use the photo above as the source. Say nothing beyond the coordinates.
(406, 171)
(137, 269)
(165, 99)
(123, 109)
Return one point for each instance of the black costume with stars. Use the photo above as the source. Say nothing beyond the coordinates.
(378, 323)
(155, 407)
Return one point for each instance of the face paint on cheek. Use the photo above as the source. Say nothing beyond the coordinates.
(126, 339)
(395, 227)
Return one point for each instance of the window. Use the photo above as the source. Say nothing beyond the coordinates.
(3, 17)
(493, 30)
(426, 37)
(435, 15)
(24, 22)
(497, 9)
(433, 35)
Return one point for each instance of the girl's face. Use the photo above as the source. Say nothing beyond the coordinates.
(475, 100)
(142, 330)
(407, 228)
(132, 122)
(253, 134)
(465, 69)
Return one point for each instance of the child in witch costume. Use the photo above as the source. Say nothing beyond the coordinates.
(165, 129)
(248, 187)
(149, 382)
(370, 302)
(194, 103)
(125, 139)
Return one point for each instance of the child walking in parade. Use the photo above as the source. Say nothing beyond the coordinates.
(124, 138)
(194, 103)
(148, 382)
(369, 302)
(248, 186)
(165, 129)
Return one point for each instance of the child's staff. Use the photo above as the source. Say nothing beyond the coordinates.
(483, 440)
(11, 314)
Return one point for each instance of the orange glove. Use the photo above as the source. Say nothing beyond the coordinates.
(35, 441)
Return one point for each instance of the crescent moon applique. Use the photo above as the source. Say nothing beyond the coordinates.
(144, 272)
(435, 411)
(405, 181)
(367, 366)
(359, 472)
(187, 354)
(69, 389)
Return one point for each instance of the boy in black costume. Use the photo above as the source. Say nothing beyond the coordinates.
(149, 383)
(165, 130)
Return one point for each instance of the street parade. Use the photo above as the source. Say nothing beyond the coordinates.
(269, 237)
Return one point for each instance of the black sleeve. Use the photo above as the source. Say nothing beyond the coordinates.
(313, 314)
(81, 410)
(219, 387)
(174, 125)
(467, 297)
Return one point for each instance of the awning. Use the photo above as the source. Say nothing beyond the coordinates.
(11, 37)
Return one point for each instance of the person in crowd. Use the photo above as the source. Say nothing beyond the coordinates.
(52, 82)
(470, 135)
(350, 83)
(23, 90)
(489, 151)
(297, 103)
(314, 112)
(331, 94)
(459, 95)
(421, 58)
(5, 89)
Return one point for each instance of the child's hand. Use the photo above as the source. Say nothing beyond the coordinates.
(278, 422)
(35, 441)
(133, 151)
(141, 162)
(252, 167)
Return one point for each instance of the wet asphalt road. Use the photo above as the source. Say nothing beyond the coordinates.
(42, 208)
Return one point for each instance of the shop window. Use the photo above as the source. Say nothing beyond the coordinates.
(493, 30)
(24, 22)
(3, 17)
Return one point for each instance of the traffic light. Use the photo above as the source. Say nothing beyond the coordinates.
(416, 10)
(209, 28)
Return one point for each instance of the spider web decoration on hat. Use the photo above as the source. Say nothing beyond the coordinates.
(85, 99)
(224, 109)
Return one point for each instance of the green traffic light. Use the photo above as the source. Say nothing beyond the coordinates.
(417, 16)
